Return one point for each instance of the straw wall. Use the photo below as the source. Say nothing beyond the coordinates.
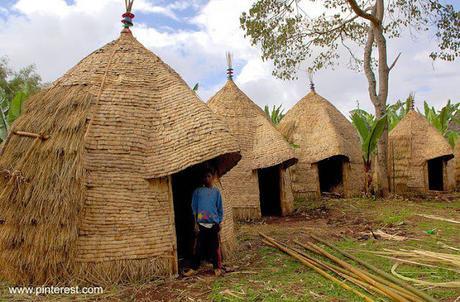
(287, 198)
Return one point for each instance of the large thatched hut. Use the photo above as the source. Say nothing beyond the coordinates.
(259, 184)
(419, 157)
(100, 166)
(327, 146)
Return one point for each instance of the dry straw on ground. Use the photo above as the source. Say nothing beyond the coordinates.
(320, 132)
(94, 201)
(261, 145)
(412, 143)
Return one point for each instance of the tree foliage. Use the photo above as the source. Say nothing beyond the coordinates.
(288, 35)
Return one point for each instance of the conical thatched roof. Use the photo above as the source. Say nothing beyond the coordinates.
(320, 130)
(427, 143)
(261, 144)
(91, 192)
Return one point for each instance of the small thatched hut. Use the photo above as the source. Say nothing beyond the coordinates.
(418, 157)
(328, 149)
(98, 172)
(259, 184)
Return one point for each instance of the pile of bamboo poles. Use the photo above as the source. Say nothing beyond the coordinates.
(373, 282)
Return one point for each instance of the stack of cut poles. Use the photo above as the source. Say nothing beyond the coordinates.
(373, 281)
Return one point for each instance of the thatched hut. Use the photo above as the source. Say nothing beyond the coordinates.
(328, 149)
(418, 157)
(99, 167)
(259, 184)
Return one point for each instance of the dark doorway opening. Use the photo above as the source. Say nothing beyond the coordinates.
(269, 191)
(330, 172)
(183, 185)
(435, 174)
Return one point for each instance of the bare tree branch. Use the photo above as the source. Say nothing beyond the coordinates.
(395, 61)
(370, 75)
(362, 13)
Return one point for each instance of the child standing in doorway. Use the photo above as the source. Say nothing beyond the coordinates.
(208, 211)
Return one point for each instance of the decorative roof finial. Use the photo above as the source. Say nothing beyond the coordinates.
(127, 17)
(310, 77)
(229, 57)
(412, 101)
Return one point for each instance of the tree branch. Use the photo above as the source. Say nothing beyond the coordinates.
(362, 13)
(394, 62)
(370, 75)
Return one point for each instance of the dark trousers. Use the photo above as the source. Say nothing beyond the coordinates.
(208, 247)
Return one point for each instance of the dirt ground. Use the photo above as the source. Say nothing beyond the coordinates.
(261, 273)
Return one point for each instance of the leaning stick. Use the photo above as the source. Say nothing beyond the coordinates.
(379, 272)
(314, 267)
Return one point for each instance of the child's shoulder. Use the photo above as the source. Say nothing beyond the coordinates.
(216, 189)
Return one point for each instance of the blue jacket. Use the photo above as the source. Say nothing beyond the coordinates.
(207, 205)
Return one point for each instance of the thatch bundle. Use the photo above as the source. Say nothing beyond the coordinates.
(87, 192)
(419, 157)
(263, 150)
(327, 147)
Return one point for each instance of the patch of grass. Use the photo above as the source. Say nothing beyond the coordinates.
(279, 278)
(395, 216)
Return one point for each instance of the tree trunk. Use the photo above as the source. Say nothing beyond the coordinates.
(379, 99)
(382, 184)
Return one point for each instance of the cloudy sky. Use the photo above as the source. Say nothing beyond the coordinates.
(192, 36)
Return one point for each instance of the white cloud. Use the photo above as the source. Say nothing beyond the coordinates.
(56, 35)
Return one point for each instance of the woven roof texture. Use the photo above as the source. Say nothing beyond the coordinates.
(261, 143)
(426, 141)
(320, 130)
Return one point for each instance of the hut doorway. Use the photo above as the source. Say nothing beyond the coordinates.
(183, 185)
(436, 174)
(270, 191)
(330, 172)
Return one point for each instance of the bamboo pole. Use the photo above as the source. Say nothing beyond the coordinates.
(314, 267)
(401, 291)
(383, 274)
(342, 273)
(395, 296)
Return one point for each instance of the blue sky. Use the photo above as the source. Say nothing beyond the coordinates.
(193, 36)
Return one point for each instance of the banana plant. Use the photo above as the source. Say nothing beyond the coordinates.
(11, 110)
(398, 110)
(276, 114)
(370, 130)
(442, 118)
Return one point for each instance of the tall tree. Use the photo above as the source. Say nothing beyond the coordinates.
(289, 36)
